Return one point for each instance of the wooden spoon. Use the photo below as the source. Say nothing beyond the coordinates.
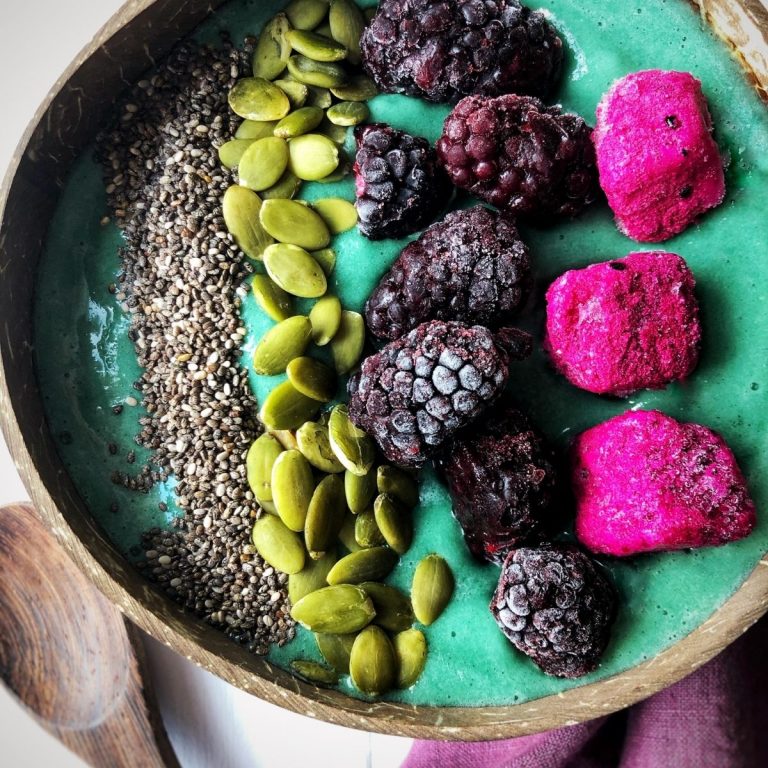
(70, 656)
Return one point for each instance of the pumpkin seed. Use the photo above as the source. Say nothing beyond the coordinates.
(393, 609)
(324, 29)
(288, 221)
(432, 588)
(310, 578)
(312, 378)
(335, 649)
(347, 534)
(255, 98)
(315, 46)
(314, 444)
(411, 655)
(314, 673)
(354, 449)
(325, 317)
(285, 189)
(301, 121)
(286, 438)
(348, 113)
(372, 664)
(326, 258)
(255, 129)
(367, 533)
(366, 565)
(319, 97)
(271, 298)
(347, 23)
(359, 490)
(293, 269)
(241, 209)
(285, 408)
(394, 523)
(269, 507)
(292, 488)
(325, 516)
(306, 14)
(279, 547)
(313, 156)
(272, 50)
(232, 152)
(339, 215)
(336, 610)
(259, 461)
(324, 74)
(347, 344)
(263, 163)
(296, 92)
(397, 483)
(282, 344)
(336, 133)
(359, 88)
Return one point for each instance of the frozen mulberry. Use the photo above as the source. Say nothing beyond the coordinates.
(514, 152)
(556, 607)
(441, 51)
(472, 267)
(418, 391)
(502, 480)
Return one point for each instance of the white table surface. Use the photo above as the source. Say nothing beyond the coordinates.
(211, 724)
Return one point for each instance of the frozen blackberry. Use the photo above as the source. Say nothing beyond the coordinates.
(502, 480)
(441, 51)
(418, 391)
(514, 152)
(555, 606)
(399, 185)
(472, 266)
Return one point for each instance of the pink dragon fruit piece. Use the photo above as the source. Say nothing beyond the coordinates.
(645, 482)
(659, 165)
(624, 325)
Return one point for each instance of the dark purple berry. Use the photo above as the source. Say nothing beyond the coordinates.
(555, 606)
(502, 480)
(400, 187)
(472, 267)
(442, 51)
(514, 152)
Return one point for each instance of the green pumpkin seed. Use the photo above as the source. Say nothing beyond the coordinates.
(314, 444)
(411, 655)
(366, 565)
(259, 461)
(323, 74)
(359, 490)
(232, 152)
(313, 156)
(272, 50)
(268, 506)
(288, 221)
(372, 664)
(280, 547)
(325, 517)
(394, 522)
(347, 344)
(348, 113)
(306, 14)
(339, 215)
(347, 534)
(241, 209)
(336, 649)
(347, 23)
(324, 29)
(286, 438)
(314, 673)
(367, 533)
(325, 317)
(315, 46)
(336, 133)
(399, 484)
(312, 378)
(310, 578)
(359, 88)
(292, 488)
(255, 98)
(296, 92)
(255, 129)
(299, 122)
(263, 163)
(432, 588)
(285, 189)
(294, 270)
(393, 609)
(326, 258)
(336, 610)
(319, 97)
(285, 408)
(282, 344)
(354, 449)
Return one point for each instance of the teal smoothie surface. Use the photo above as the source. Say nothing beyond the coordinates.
(87, 364)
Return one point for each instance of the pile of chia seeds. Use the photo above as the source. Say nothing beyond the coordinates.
(182, 281)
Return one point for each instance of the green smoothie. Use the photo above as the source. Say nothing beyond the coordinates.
(87, 364)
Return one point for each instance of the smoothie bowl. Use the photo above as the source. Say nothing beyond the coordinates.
(141, 342)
